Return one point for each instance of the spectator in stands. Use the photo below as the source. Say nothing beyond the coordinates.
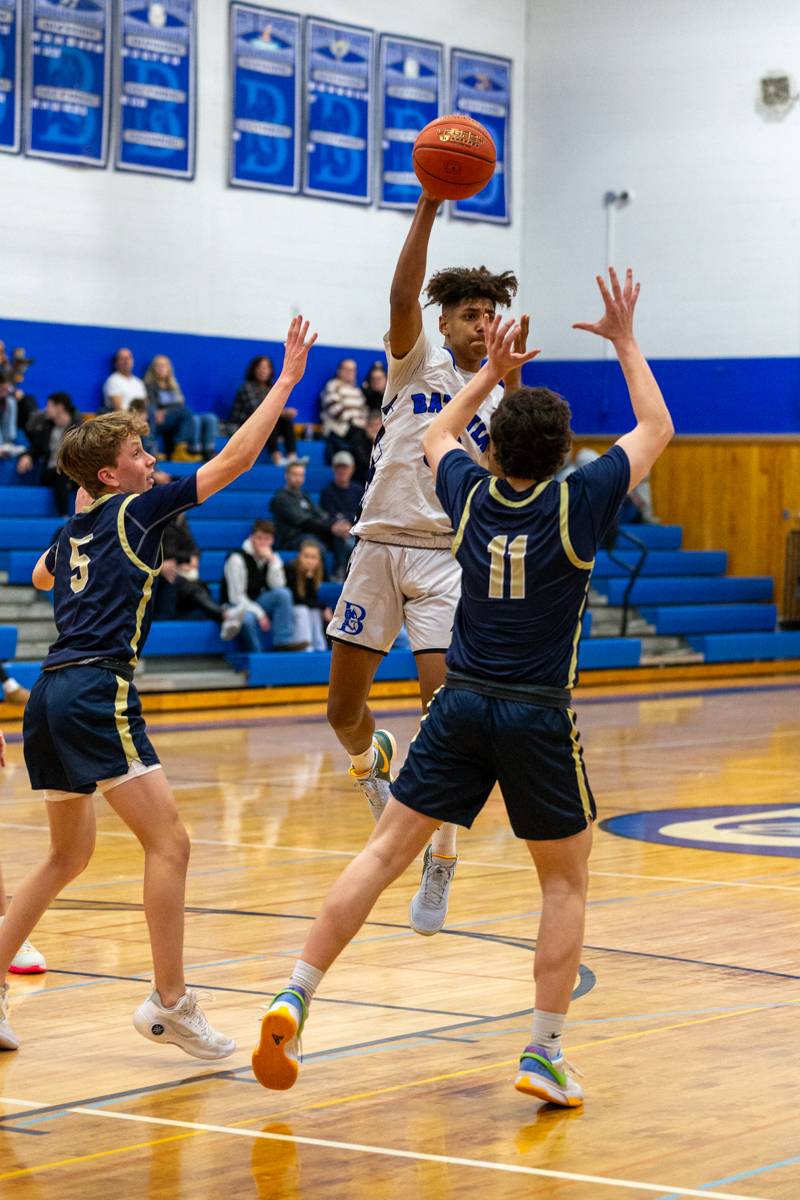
(254, 586)
(191, 433)
(258, 379)
(180, 592)
(122, 385)
(304, 575)
(26, 404)
(8, 415)
(45, 433)
(374, 386)
(341, 498)
(298, 519)
(343, 409)
(361, 446)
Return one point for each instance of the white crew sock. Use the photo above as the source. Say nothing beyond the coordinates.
(363, 762)
(547, 1030)
(443, 841)
(306, 977)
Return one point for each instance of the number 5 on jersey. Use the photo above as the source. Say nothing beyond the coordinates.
(499, 549)
(79, 563)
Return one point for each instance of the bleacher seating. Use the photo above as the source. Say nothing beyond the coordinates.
(684, 594)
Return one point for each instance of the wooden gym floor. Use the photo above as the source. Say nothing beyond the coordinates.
(685, 1021)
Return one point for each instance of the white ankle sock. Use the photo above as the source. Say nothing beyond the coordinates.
(547, 1030)
(306, 977)
(443, 841)
(363, 762)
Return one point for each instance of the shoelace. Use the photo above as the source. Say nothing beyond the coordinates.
(436, 879)
(194, 1015)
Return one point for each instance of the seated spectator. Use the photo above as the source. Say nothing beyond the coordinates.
(341, 498)
(361, 446)
(304, 574)
(45, 433)
(191, 433)
(26, 404)
(343, 409)
(180, 592)
(298, 519)
(122, 385)
(258, 379)
(254, 586)
(374, 387)
(8, 415)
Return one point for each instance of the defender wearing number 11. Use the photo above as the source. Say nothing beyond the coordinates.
(526, 545)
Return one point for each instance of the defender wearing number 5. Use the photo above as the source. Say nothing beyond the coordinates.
(83, 728)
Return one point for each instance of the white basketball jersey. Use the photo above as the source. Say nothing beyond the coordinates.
(399, 506)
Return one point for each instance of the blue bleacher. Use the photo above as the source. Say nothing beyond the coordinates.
(610, 652)
(711, 618)
(260, 478)
(185, 637)
(8, 642)
(655, 537)
(27, 502)
(747, 647)
(716, 590)
(662, 562)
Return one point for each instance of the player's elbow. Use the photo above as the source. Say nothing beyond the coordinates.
(42, 579)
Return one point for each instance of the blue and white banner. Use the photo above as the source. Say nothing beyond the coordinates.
(10, 63)
(480, 86)
(266, 125)
(410, 87)
(339, 72)
(67, 80)
(156, 89)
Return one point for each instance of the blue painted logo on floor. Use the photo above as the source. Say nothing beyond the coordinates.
(739, 829)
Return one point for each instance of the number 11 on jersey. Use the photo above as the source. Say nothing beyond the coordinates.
(499, 549)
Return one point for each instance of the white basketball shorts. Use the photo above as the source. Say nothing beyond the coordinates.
(387, 586)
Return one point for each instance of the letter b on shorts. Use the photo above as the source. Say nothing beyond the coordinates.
(353, 620)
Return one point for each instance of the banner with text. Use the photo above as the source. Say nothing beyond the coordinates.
(67, 80)
(10, 62)
(266, 125)
(480, 86)
(410, 88)
(156, 89)
(338, 71)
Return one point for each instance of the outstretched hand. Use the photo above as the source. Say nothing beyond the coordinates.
(298, 344)
(616, 323)
(503, 342)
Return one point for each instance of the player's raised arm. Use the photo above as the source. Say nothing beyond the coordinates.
(502, 357)
(243, 449)
(409, 276)
(654, 427)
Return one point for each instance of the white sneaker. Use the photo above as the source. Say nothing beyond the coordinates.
(184, 1025)
(232, 622)
(548, 1078)
(8, 1039)
(428, 909)
(28, 961)
(375, 783)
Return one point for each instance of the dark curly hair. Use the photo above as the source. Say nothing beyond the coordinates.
(530, 433)
(456, 284)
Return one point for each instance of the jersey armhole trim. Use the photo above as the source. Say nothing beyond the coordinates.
(580, 563)
(123, 539)
(462, 525)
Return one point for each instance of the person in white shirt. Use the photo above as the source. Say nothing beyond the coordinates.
(402, 569)
(122, 385)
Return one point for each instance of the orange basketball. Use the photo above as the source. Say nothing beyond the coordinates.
(454, 157)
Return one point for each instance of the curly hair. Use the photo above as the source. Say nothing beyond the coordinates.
(456, 284)
(530, 433)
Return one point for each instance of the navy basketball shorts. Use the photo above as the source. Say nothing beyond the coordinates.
(469, 742)
(83, 725)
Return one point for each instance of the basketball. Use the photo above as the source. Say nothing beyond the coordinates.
(454, 157)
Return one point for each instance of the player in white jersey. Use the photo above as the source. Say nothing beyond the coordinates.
(402, 570)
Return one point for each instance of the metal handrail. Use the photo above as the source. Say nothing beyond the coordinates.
(634, 573)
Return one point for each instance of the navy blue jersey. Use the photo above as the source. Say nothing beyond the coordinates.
(105, 563)
(526, 560)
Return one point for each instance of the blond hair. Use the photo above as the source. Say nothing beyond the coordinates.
(151, 379)
(87, 448)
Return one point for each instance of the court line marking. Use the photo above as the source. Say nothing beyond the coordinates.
(387, 1152)
(67, 1162)
(773, 1166)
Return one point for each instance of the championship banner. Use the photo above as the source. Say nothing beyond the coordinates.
(67, 80)
(156, 90)
(338, 70)
(410, 88)
(480, 86)
(265, 96)
(10, 62)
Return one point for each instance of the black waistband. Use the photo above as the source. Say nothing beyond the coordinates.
(117, 665)
(524, 693)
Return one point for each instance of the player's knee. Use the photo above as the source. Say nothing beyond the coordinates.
(177, 845)
(71, 861)
(343, 715)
